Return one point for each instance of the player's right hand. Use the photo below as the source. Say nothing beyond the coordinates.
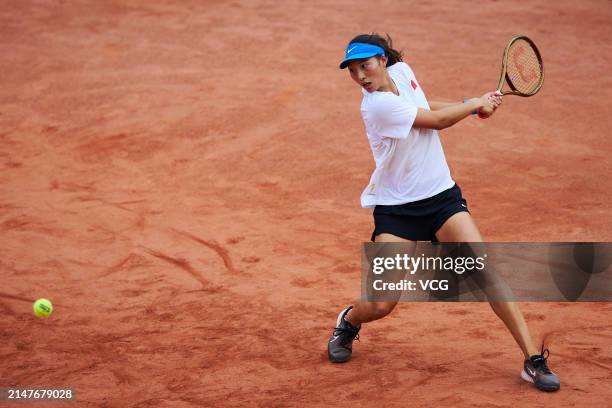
(490, 102)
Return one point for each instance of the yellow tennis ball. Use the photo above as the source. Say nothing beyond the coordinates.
(42, 308)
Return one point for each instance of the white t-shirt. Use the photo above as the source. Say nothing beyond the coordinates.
(410, 162)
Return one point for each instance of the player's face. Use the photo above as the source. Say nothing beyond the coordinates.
(368, 73)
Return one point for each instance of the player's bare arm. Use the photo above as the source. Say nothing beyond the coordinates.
(453, 113)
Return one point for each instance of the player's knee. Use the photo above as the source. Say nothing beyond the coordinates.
(381, 309)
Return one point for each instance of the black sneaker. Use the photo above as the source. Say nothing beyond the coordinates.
(536, 371)
(340, 346)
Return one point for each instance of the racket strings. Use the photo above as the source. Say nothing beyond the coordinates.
(524, 69)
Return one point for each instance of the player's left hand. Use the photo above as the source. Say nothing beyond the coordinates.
(495, 100)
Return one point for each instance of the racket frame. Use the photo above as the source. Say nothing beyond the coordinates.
(504, 75)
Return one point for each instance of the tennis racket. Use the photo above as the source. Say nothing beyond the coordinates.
(522, 68)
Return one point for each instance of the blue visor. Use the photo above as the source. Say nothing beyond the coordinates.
(360, 50)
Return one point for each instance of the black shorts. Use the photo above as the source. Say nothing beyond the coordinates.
(419, 220)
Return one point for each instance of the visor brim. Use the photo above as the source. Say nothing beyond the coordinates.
(366, 55)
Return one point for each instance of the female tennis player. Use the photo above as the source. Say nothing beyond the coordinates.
(411, 190)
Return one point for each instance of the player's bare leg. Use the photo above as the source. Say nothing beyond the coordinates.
(363, 312)
(348, 323)
(462, 228)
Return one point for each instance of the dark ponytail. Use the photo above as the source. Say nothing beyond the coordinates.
(393, 55)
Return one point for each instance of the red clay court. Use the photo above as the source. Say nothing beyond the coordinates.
(182, 180)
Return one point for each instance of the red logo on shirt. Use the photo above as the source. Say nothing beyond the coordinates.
(414, 85)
